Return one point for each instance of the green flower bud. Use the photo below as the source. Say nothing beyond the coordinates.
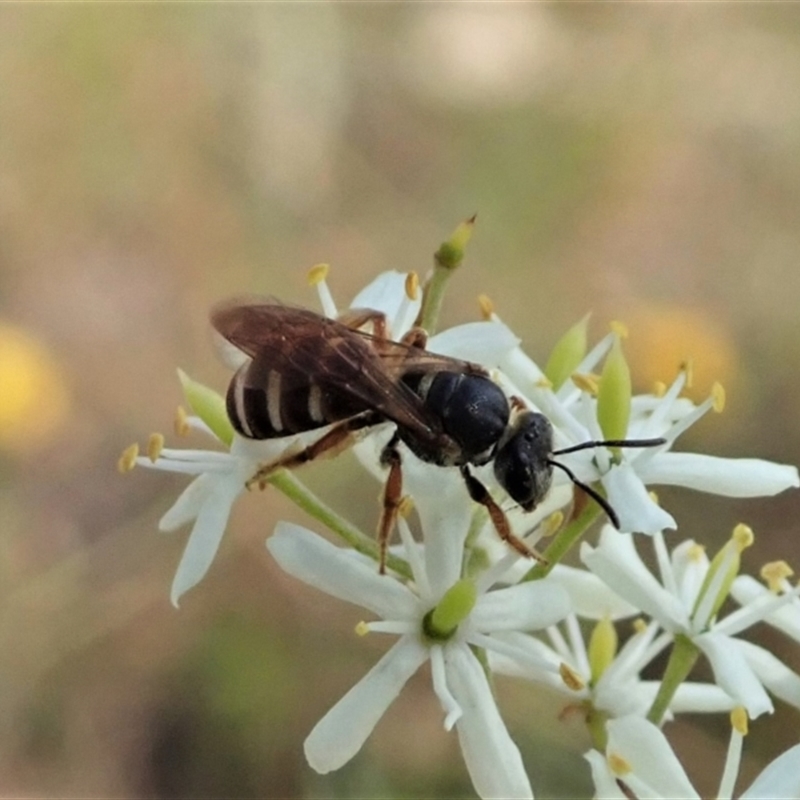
(614, 396)
(567, 354)
(451, 253)
(721, 573)
(209, 406)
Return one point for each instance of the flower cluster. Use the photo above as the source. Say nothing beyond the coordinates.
(464, 601)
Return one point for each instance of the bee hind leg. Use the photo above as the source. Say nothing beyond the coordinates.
(337, 439)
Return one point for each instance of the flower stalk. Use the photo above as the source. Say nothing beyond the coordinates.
(286, 483)
(681, 660)
(445, 261)
(563, 542)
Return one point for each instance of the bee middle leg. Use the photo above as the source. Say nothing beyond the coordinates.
(337, 439)
(480, 494)
(392, 495)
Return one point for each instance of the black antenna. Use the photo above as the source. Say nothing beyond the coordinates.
(611, 443)
(596, 496)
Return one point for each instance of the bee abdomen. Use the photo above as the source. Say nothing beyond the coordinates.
(270, 409)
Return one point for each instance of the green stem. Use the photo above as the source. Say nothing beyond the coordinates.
(681, 660)
(432, 298)
(286, 482)
(564, 541)
(596, 723)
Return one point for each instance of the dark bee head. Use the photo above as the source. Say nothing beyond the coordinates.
(522, 463)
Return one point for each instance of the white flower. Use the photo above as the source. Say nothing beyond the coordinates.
(574, 415)
(459, 682)
(207, 500)
(685, 602)
(640, 763)
(747, 589)
(603, 678)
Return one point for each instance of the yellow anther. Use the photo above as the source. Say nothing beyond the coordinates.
(775, 574)
(486, 306)
(618, 765)
(155, 444)
(586, 383)
(639, 625)
(688, 368)
(412, 285)
(739, 720)
(544, 383)
(406, 506)
(659, 388)
(654, 497)
(127, 461)
(571, 678)
(318, 273)
(718, 397)
(181, 422)
(620, 328)
(742, 536)
(696, 552)
(362, 629)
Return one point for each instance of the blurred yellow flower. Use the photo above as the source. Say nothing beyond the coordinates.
(33, 396)
(664, 337)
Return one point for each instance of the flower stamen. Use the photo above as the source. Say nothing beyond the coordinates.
(127, 461)
(775, 574)
(155, 444)
(317, 276)
(181, 423)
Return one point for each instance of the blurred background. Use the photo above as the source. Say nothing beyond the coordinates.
(638, 161)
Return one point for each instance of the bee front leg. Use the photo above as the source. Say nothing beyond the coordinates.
(480, 494)
(392, 495)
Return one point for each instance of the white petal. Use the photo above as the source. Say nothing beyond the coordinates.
(339, 572)
(772, 672)
(689, 566)
(694, 697)
(590, 598)
(386, 293)
(747, 589)
(780, 780)
(648, 752)
(206, 535)
(486, 343)
(733, 673)
(445, 511)
(188, 504)
(523, 656)
(339, 735)
(521, 369)
(730, 477)
(526, 607)
(616, 562)
(628, 496)
(605, 782)
(493, 760)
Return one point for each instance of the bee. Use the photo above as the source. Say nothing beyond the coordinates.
(304, 371)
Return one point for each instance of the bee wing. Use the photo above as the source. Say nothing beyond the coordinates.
(347, 364)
